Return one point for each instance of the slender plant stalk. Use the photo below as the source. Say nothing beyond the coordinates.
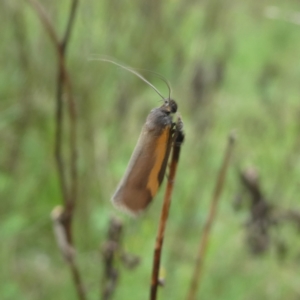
(69, 192)
(110, 256)
(196, 279)
(63, 80)
(164, 216)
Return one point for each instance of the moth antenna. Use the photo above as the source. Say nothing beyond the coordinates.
(159, 76)
(132, 71)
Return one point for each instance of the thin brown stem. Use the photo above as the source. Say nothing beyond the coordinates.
(63, 81)
(72, 116)
(77, 280)
(72, 195)
(72, 110)
(196, 279)
(110, 252)
(61, 76)
(59, 137)
(164, 216)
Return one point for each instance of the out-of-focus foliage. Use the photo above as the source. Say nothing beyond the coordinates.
(232, 65)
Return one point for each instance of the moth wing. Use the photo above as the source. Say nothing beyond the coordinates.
(145, 171)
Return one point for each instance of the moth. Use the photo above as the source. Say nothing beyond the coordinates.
(147, 165)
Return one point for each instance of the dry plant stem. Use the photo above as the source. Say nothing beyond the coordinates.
(196, 279)
(110, 252)
(63, 81)
(70, 201)
(77, 280)
(164, 217)
(61, 50)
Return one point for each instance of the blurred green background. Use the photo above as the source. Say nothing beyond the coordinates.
(232, 65)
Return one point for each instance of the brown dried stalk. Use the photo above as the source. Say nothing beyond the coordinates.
(63, 81)
(110, 252)
(195, 283)
(164, 215)
(66, 248)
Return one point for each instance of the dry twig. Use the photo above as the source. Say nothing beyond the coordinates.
(110, 251)
(164, 214)
(63, 81)
(113, 256)
(210, 219)
(264, 215)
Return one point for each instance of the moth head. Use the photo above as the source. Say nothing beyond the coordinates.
(169, 106)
